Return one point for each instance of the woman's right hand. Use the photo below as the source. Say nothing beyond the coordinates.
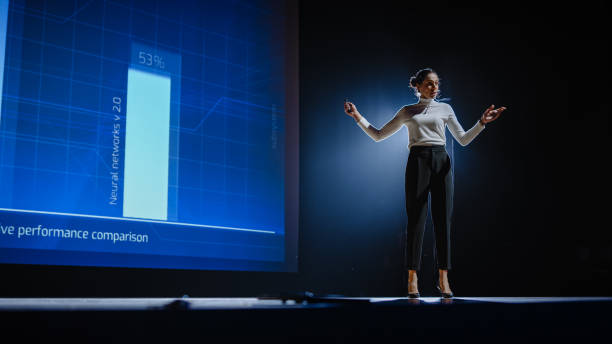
(354, 113)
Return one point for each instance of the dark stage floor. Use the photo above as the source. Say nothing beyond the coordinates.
(431, 319)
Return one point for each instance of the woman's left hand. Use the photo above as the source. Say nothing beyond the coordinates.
(491, 114)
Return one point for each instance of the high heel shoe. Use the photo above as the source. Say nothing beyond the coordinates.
(414, 295)
(444, 295)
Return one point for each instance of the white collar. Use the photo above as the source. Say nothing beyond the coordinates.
(425, 100)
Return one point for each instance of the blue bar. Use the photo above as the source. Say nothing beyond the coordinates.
(147, 142)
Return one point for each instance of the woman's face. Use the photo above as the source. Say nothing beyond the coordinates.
(429, 88)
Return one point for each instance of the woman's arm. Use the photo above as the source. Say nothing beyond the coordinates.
(387, 130)
(463, 137)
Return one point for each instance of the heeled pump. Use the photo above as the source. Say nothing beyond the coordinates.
(444, 295)
(414, 295)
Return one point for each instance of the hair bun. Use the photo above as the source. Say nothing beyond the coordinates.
(413, 81)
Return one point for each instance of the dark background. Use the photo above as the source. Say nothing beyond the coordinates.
(531, 191)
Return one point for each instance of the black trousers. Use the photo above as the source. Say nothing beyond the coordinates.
(428, 170)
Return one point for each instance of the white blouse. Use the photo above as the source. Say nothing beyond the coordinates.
(425, 121)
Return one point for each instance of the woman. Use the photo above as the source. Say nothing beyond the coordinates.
(428, 168)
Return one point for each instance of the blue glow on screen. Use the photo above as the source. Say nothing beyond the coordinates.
(143, 134)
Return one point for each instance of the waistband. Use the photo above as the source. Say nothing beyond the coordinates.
(433, 148)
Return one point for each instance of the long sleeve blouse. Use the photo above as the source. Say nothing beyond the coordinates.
(426, 121)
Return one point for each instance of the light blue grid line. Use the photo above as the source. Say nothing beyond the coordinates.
(66, 180)
(202, 95)
(246, 180)
(38, 108)
(177, 193)
(100, 78)
(77, 10)
(4, 6)
(139, 220)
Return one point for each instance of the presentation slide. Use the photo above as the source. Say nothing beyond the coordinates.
(146, 134)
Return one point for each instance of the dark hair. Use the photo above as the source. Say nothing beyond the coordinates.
(420, 76)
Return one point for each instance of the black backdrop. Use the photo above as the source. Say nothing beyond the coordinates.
(531, 191)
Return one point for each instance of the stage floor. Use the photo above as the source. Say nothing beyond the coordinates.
(246, 320)
(117, 304)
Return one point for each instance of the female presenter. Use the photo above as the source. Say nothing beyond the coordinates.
(428, 169)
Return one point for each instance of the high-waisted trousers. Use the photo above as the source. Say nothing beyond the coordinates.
(428, 170)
